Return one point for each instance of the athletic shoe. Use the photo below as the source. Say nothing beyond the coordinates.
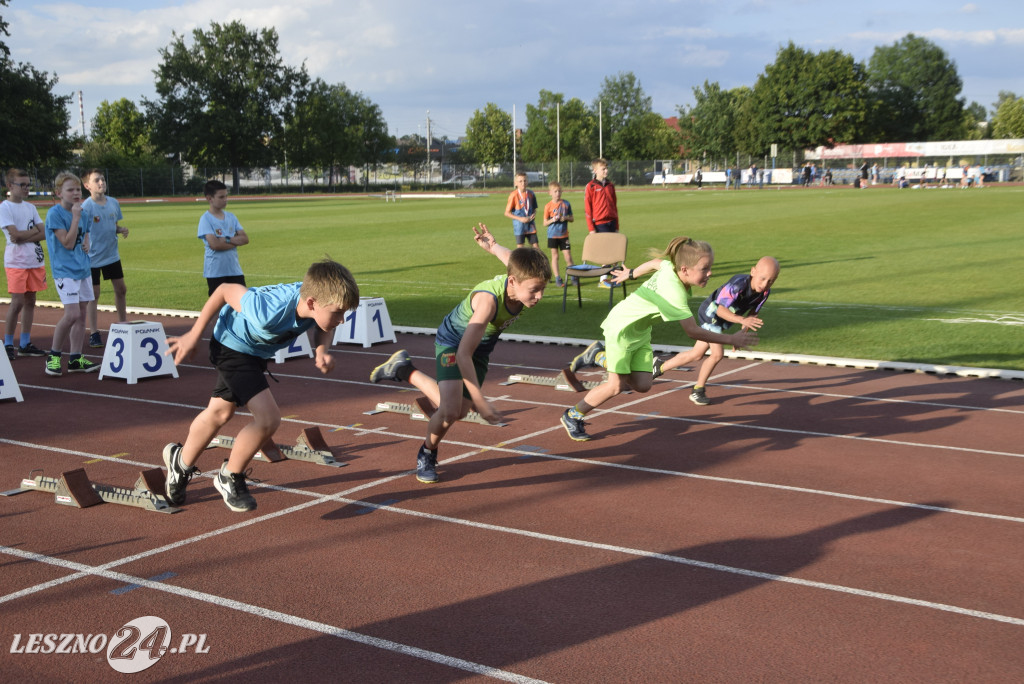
(82, 365)
(30, 350)
(698, 397)
(177, 474)
(559, 282)
(589, 357)
(658, 363)
(606, 283)
(576, 427)
(389, 369)
(10, 351)
(53, 364)
(234, 490)
(426, 466)
(95, 341)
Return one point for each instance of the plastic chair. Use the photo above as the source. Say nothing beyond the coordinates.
(602, 252)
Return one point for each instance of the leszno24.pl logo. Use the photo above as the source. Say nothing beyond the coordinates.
(137, 645)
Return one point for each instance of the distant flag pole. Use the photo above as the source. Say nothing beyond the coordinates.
(81, 112)
(513, 141)
(558, 141)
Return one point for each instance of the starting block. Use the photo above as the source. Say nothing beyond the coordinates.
(566, 381)
(73, 488)
(309, 447)
(423, 410)
(367, 325)
(300, 346)
(136, 350)
(9, 388)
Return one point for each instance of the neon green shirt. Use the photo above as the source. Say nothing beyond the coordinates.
(663, 297)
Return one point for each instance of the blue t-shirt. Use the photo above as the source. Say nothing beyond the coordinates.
(218, 264)
(736, 296)
(102, 221)
(266, 323)
(64, 262)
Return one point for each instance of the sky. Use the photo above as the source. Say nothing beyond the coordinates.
(451, 58)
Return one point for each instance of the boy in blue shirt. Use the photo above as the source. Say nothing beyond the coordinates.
(67, 238)
(102, 214)
(251, 326)
(465, 340)
(738, 301)
(222, 235)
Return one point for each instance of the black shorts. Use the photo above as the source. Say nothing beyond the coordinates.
(214, 283)
(240, 377)
(559, 243)
(110, 272)
(526, 239)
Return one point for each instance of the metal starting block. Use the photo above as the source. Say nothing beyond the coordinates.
(565, 381)
(73, 488)
(422, 410)
(309, 447)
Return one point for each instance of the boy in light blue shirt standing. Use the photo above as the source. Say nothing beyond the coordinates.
(222, 235)
(103, 215)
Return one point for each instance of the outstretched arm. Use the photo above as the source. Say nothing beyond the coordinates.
(182, 348)
(487, 242)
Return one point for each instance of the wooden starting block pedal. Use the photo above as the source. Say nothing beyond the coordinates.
(310, 447)
(566, 381)
(73, 488)
(422, 410)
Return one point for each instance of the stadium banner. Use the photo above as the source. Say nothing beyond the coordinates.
(926, 149)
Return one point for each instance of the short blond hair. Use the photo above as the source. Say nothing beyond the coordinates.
(62, 178)
(331, 284)
(554, 184)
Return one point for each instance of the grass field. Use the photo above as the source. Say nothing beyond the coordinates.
(905, 275)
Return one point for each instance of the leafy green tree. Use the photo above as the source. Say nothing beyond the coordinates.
(489, 135)
(5, 52)
(975, 126)
(552, 121)
(33, 119)
(222, 99)
(804, 100)
(1008, 121)
(330, 126)
(916, 92)
(122, 127)
(709, 126)
(622, 107)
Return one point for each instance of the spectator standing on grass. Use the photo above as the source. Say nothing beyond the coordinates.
(465, 340)
(222, 235)
(23, 262)
(557, 217)
(522, 209)
(251, 326)
(601, 206)
(103, 215)
(737, 301)
(626, 351)
(67, 238)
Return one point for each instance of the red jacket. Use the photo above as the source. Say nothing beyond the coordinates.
(599, 203)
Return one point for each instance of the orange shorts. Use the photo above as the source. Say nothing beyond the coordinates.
(22, 280)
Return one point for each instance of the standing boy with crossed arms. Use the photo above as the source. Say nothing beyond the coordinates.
(222, 235)
(23, 262)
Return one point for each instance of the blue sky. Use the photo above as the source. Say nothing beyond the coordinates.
(452, 58)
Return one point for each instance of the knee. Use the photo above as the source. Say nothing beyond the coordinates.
(267, 424)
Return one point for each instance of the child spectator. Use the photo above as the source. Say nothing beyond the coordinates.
(522, 208)
(102, 214)
(737, 301)
(626, 351)
(251, 326)
(23, 262)
(222, 235)
(67, 238)
(601, 206)
(465, 340)
(557, 217)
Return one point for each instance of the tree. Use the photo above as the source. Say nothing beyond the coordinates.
(5, 52)
(489, 135)
(330, 126)
(976, 124)
(1008, 121)
(553, 121)
(804, 100)
(915, 88)
(222, 99)
(709, 126)
(622, 107)
(123, 128)
(33, 119)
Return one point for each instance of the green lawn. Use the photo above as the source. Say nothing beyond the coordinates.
(907, 275)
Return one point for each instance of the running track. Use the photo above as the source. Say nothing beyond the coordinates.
(813, 524)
